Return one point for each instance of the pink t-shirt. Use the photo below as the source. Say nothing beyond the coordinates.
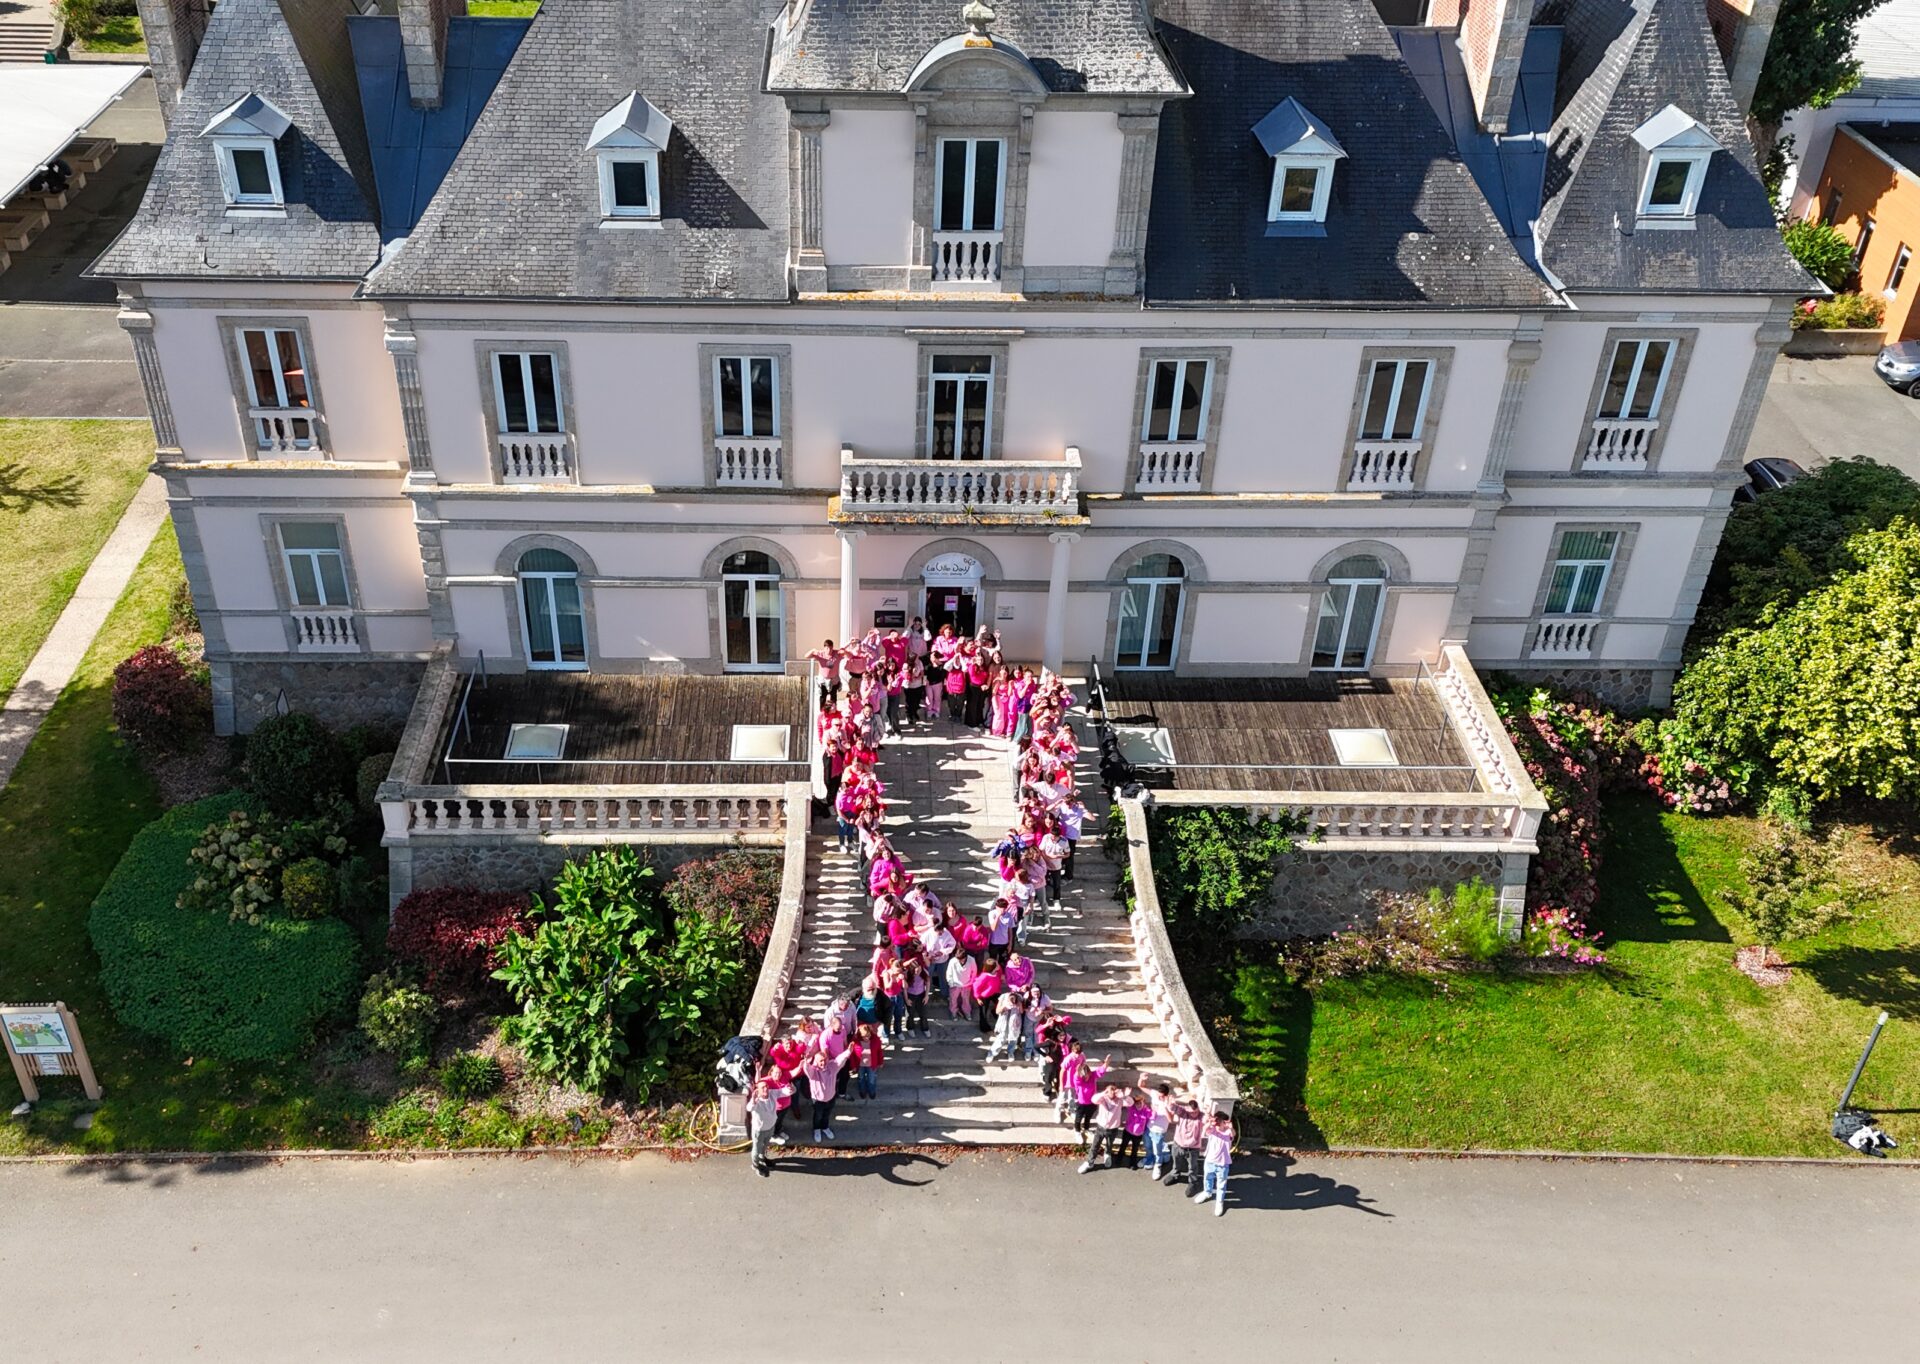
(1111, 1110)
(1219, 1144)
(1019, 974)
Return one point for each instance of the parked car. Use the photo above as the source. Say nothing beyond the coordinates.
(1767, 475)
(1899, 366)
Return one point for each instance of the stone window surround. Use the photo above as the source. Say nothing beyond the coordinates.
(1683, 339)
(231, 325)
(711, 572)
(1220, 356)
(961, 344)
(1399, 570)
(507, 566)
(270, 523)
(1190, 590)
(483, 352)
(1628, 531)
(782, 356)
(1003, 114)
(1441, 358)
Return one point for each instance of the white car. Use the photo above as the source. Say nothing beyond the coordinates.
(1899, 366)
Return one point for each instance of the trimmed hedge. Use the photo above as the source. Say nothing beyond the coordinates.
(209, 985)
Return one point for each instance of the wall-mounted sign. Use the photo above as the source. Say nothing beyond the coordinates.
(889, 620)
(1003, 613)
(953, 568)
(953, 601)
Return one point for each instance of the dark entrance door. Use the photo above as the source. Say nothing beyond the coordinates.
(955, 606)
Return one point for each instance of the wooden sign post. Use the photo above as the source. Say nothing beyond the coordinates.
(42, 1040)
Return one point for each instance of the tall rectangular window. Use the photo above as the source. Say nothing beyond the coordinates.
(959, 407)
(1396, 404)
(526, 392)
(1177, 400)
(276, 367)
(1860, 247)
(1580, 572)
(745, 401)
(316, 568)
(970, 184)
(1899, 270)
(1636, 380)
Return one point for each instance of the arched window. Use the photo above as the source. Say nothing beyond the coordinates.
(551, 614)
(1151, 609)
(1349, 621)
(754, 612)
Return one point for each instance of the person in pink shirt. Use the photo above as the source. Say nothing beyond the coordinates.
(987, 984)
(1159, 1152)
(1188, 1121)
(1217, 1138)
(1017, 971)
(823, 1071)
(959, 985)
(1080, 1082)
(1109, 1126)
(869, 1054)
(1138, 1116)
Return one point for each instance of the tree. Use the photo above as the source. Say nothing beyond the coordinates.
(1821, 250)
(1810, 57)
(1822, 695)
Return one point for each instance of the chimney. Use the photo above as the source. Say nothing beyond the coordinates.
(174, 29)
(1743, 29)
(423, 39)
(1492, 34)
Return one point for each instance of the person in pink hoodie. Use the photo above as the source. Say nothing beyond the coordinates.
(823, 1070)
(1079, 1082)
(1109, 1126)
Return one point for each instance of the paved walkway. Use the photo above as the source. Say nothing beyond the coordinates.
(86, 611)
(950, 800)
(990, 1257)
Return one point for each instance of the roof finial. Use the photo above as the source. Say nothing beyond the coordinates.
(978, 15)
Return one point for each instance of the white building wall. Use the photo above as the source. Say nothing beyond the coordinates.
(866, 187)
(1073, 189)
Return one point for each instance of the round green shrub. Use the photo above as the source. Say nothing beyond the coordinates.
(470, 1076)
(366, 782)
(307, 889)
(294, 762)
(398, 1018)
(207, 984)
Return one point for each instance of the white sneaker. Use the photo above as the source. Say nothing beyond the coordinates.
(1220, 1208)
(817, 1138)
(829, 1133)
(780, 1139)
(1085, 1166)
(1202, 1196)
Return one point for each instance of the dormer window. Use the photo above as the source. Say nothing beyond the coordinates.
(1678, 149)
(1304, 153)
(627, 142)
(245, 137)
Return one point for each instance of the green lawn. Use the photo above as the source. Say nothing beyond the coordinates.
(1667, 1049)
(63, 485)
(503, 9)
(117, 33)
(75, 802)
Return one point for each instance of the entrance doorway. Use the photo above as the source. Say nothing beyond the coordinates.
(955, 605)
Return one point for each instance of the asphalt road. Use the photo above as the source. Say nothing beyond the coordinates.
(989, 1257)
(1817, 410)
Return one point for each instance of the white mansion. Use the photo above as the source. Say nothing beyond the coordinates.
(1230, 338)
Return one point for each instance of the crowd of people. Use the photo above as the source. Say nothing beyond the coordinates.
(927, 952)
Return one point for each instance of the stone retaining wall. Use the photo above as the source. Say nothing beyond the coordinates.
(1622, 688)
(339, 692)
(1318, 891)
(515, 864)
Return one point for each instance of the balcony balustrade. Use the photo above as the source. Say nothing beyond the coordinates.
(1171, 466)
(967, 258)
(1383, 466)
(543, 457)
(1564, 638)
(1619, 446)
(286, 430)
(1039, 488)
(747, 461)
(324, 631)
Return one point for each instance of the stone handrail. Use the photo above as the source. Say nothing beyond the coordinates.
(1439, 815)
(1200, 1067)
(1032, 487)
(1484, 736)
(632, 811)
(782, 960)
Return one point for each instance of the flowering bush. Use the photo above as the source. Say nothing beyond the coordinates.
(738, 885)
(453, 934)
(1556, 933)
(238, 866)
(157, 702)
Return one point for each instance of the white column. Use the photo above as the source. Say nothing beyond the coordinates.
(1053, 651)
(849, 583)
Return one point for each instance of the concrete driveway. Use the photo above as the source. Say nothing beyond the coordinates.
(1817, 410)
(982, 1257)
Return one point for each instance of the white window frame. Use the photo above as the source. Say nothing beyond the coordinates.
(934, 376)
(1322, 167)
(1897, 272)
(1696, 164)
(972, 183)
(1867, 227)
(1155, 587)
(753, 583)
(314, 558)
(1581, 567)
(1633, 379)
(279, 396)
(525, 361)
(224, 148)
(747, 360)
(610, 209)
(1344, 590)
(1399, 366)
(1180, 364)
(547, 577)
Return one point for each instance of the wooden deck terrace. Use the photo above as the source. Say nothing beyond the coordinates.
(625, 729)
(1270, 734)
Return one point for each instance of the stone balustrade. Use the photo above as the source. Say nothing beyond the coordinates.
(1436, 816)
(747, 461)
(1171, 466)
(323, 631)
(286, 430)
(1619, 445)
(623, 811)
(967, 258)
(1566, 638)
(529, 457)
(994, 487)
(1383, 466)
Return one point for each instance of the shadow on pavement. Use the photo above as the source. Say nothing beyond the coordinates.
(890, 1166)
(1273, 1183)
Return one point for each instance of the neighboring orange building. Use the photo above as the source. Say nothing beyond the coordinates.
(1870, 190)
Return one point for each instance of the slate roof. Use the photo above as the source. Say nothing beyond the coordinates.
(295, 54)
(1077, 46)
(1406, 224)
(518, 216)
(1622, 61)
(412, 149)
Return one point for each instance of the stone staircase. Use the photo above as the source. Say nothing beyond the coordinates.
(23, 40)
(949, 801)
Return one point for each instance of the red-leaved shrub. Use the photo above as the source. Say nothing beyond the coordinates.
(740, 885)
(157, 703)
(452, 932)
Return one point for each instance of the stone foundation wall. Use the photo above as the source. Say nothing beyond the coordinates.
(340, 693)
(515, 864)
(1622, 688)
(1316, 893)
